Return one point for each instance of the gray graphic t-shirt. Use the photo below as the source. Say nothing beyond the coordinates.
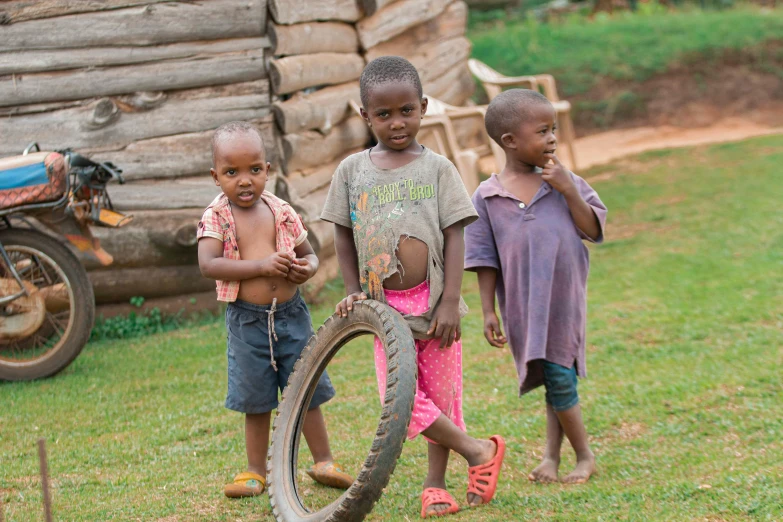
(386, 206)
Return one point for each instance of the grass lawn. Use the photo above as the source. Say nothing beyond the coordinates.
(627, 47)
(683, 402)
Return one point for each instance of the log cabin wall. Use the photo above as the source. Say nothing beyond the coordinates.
(144, 83)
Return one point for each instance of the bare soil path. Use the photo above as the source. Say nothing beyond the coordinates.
(605, 147)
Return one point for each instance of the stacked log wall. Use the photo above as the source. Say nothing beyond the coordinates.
(141, 83)
(113, 76)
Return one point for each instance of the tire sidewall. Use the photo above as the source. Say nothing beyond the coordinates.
(366, 317)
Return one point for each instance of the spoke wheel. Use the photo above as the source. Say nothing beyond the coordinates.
(61, 300)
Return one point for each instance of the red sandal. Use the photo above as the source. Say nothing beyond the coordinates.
(483, 479)
(432, 496)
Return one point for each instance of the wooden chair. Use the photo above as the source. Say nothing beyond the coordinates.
(494, 83)
(444, 141)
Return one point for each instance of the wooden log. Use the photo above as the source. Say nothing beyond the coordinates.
(397, 18)
(373, 6)
(177, 156)
(320, 110)
(152, 24)
(187, 305)
(311, 148)
(12, 11)
(254, 88)
(300, 184)
(435, 60)
(40, 107)
(312, 37)
(449, 24)
(294, 73)
(22, 62)
(454, 87)
(321, 237)
(296, 11)
(192, 192)
(154, 238)
(173, 74)
(328, 269)
(320, 233)
(119, 285)
(100, 126)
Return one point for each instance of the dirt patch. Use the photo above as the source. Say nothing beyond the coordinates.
(701, 89)
(612, 146)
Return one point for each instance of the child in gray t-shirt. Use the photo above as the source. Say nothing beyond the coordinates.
(399, 211)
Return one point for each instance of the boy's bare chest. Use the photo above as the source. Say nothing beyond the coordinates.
(256, 231)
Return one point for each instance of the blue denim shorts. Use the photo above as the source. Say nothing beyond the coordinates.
(253, 382)
(560, 385)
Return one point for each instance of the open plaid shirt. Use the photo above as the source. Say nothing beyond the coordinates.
(218, 222)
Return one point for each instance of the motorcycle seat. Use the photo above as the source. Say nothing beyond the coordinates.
(35, 178)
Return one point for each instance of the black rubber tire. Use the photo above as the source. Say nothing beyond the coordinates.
(367, 317)
(83, 307)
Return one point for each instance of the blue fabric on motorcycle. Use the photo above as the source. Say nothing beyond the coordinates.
(40, 177)
(26, 176)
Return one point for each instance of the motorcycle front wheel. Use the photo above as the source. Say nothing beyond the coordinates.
(62, 306)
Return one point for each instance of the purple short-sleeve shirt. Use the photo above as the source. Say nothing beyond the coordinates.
(543, 265)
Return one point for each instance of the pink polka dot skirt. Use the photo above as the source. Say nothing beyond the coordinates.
(439, 386)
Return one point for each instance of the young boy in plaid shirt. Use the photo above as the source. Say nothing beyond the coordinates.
(255, 246)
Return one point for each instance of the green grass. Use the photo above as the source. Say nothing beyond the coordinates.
(626, 47)
(683, 400)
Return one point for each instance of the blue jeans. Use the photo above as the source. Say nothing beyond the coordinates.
(253, 381)
(560, 385)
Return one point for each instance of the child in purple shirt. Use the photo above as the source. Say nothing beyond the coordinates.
(527, 248)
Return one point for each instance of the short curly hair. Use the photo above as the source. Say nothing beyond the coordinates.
(387, 69)
(508, 110)
(233, 128)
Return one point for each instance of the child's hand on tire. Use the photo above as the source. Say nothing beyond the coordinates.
(346, 305)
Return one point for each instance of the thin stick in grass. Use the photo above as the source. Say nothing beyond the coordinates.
(45, 480)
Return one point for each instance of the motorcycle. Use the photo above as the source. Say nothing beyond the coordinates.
(47, 306)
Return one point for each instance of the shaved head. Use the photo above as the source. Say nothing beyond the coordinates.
(388, 69)
(233, 128)
(508, 110)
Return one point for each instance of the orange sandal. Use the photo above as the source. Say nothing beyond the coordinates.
(431, 496)
(246, 484)
(483, 479)
(330, 474)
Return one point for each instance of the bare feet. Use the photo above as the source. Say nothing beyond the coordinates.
(485, 454)
(546, 472)
(585, 467)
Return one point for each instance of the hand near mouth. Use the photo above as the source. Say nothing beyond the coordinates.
(557, 175)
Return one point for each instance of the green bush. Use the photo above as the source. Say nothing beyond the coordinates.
(145, 322)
